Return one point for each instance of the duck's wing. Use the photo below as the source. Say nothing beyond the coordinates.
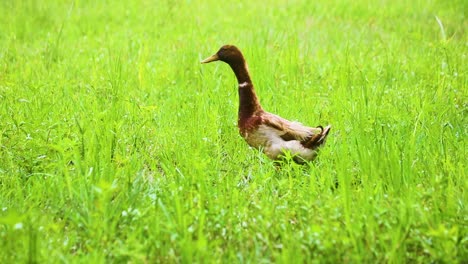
(289, 130)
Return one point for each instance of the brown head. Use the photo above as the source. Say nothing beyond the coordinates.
(227, 53)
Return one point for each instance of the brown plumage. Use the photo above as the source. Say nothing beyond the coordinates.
(263, 130)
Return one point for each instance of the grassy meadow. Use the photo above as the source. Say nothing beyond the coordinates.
(117, 145)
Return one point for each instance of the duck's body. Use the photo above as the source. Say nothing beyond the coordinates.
(263, 130)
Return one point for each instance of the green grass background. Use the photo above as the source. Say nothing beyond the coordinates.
(116, 145)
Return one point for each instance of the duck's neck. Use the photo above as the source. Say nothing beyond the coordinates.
(248, 100)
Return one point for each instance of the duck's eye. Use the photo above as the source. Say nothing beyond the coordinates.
(222, 51)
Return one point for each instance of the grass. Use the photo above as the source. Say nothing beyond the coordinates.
(118, 146)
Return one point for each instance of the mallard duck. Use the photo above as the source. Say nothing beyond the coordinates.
(262, 130)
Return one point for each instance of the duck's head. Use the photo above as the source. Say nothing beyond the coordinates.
(227, 53)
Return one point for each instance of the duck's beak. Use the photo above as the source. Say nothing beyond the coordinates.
(210, 59)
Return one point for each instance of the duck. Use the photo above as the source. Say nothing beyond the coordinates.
(270, 133)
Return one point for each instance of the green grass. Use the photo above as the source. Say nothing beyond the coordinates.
(116, 145)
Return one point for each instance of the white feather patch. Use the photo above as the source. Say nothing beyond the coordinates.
(244, 84)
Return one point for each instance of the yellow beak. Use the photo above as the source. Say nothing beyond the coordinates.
(210, 59)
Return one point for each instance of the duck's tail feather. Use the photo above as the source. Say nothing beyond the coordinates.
(324, 134)
(318, 139)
